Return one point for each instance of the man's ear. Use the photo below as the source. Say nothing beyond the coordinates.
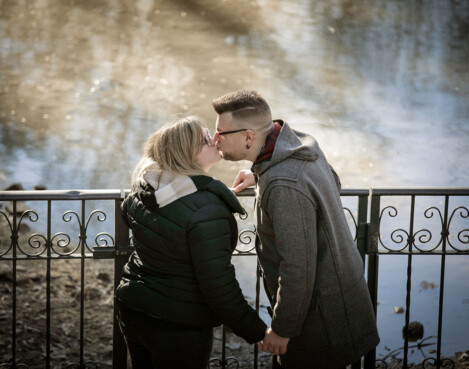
(250, 136)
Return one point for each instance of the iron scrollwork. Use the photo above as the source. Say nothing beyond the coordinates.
(425, 235)
(101, 217)
(246, 237)
(243, 216)
(403, 239)
(104, 239)
(60, 243)
(218, 363)
(87, 364)
(432, 363)
(463, 235)
(34, 240)
(398, 236)
(11, 232)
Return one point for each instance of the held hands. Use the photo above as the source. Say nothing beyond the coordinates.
(244, 179)
(273, 343)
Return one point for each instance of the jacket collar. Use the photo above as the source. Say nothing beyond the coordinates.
(218, 188)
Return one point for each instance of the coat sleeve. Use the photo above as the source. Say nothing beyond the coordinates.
(209, 237)
(293, 217)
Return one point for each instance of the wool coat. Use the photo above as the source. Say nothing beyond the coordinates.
(313, 272)
(181, 268)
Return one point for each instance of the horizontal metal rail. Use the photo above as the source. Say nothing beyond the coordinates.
(420, 191)
(62, 195)
(114, 194)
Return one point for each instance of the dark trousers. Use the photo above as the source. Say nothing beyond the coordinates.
(157, 344)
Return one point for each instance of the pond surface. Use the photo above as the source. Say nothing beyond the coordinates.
(384, 88)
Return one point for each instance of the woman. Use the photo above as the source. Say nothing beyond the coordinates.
(180, 283)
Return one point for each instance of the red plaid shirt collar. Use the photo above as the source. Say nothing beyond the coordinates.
(269, 145)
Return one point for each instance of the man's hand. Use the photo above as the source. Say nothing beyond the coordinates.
(244, 179)
(274, 343)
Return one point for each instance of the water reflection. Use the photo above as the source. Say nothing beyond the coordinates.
(356, 76)
(376, 84)
(383, 87)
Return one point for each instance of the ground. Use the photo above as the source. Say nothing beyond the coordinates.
(31, 292)
(65, 315)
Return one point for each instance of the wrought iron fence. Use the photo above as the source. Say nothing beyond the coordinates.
(426, 221)
(371, 214)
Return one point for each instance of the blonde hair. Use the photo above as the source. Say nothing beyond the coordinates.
(172, 149)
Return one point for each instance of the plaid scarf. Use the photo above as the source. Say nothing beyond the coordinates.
(269, 145)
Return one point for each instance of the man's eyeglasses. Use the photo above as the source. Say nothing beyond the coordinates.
(219, 135)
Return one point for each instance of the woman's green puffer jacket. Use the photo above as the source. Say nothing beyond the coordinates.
(181, 269)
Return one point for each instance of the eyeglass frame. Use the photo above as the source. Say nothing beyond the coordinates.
(212, 141)
(220, 134)
(208, 139)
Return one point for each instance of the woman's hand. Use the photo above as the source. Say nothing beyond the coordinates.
(244, 179)
(273, 343)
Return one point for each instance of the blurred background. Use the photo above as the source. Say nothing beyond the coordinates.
(382, 85)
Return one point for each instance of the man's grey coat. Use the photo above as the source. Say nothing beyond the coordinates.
(313, 272)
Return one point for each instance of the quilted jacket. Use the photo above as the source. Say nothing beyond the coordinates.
(181, 268)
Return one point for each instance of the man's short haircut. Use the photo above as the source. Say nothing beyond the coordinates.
(242, 104)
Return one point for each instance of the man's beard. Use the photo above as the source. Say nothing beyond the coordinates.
(230, 157)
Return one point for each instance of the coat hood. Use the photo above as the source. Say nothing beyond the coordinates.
(290, 143)
(168, 187)
(158, 192)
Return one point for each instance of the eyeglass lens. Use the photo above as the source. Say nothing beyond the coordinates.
(209, 140)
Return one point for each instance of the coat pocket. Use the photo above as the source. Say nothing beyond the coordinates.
(314, 334)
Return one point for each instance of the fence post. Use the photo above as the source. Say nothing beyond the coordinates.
(362, 238)
(373, 262)
(362, 227)
(119, 349)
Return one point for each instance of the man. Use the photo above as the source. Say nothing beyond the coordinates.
(322, 316)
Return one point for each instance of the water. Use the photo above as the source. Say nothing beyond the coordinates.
(383, 87)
